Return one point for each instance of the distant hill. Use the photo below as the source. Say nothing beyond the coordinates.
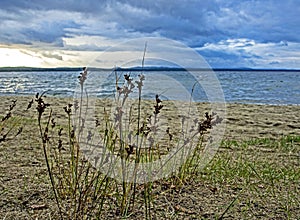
(137, 68)
(24, 69)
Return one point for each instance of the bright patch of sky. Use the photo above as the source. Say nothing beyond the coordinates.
(228, 34)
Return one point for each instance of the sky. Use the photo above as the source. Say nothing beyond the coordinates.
(226, 33)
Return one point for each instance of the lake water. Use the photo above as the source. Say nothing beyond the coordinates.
(256, 87)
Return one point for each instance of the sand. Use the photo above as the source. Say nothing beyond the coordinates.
(252, 121)
(25, 190)
(243, 121)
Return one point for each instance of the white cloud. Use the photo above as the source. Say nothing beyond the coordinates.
(240, 33)
(253, 54)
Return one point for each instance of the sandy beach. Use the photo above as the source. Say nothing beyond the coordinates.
(243, 121)
(26, 192)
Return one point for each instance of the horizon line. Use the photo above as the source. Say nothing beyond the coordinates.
(139, 68)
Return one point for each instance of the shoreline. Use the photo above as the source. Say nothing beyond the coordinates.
(242, 121)
(226, 102)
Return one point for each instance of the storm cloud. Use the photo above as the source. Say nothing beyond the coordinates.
(258, 34)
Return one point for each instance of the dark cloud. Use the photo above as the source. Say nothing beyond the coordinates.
(67, 5)
(195, 23)
(48, 32)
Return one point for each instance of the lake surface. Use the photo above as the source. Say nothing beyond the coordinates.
(256, 87)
